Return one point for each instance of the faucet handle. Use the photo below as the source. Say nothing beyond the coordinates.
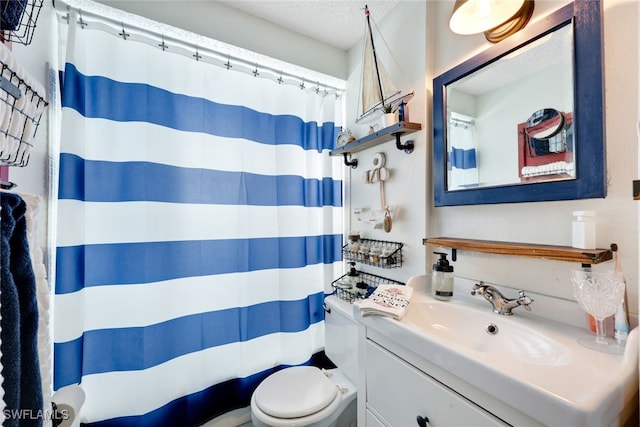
(478, 288)
(524, 300)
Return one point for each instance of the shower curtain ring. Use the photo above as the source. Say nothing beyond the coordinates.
(163, 45)
(81, 22)
(197, 55)
(123, 34)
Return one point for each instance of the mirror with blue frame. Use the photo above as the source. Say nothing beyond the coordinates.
(523, 120)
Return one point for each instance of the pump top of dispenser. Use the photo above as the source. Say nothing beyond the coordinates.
(352, 277)
(443, 263)
(353, 272)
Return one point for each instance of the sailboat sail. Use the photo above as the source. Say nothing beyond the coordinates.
(376, 90)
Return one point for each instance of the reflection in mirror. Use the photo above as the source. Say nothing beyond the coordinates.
(545, 123)
(501, 118)
(523, 120)
(546, 147)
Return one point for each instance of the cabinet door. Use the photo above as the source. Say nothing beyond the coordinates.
(373, 421)
(399, 393)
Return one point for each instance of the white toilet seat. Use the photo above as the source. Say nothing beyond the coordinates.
(331, 410)
(295, 392)
(337, 405)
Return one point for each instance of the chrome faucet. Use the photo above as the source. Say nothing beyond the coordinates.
(500, 304)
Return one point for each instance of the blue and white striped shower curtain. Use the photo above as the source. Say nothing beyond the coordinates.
(463, 166)
(199, 226)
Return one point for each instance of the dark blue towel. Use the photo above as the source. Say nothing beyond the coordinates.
(11, 12)
(19, 309)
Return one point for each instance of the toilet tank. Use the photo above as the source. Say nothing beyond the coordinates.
(341, 336)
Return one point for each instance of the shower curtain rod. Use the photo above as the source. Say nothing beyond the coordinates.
(455, 121)
(89, 14)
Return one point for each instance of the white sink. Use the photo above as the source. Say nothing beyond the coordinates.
(496, 335)
(530, 363)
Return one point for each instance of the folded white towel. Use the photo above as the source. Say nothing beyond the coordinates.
(553, 168)
(18, 116)
(6, 57)
(387, 300)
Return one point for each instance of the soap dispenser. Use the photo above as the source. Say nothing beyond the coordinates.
(442, 278)
(353, 276)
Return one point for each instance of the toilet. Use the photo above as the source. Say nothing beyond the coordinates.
(308, 396)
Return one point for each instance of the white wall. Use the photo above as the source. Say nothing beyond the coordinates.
(404, 30)
(226, 24)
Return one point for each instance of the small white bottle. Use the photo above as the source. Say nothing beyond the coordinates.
(584, 230)
(442, 278)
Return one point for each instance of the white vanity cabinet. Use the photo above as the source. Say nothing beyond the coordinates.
(441, 363)
(397, 393)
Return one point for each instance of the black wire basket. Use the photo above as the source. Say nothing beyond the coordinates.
(389, 254)
(21, 107)
(347, 292)
(18, 20)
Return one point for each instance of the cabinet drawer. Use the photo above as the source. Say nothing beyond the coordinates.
(399, 392)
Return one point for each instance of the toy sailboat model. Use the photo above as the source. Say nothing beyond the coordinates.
(377, 90)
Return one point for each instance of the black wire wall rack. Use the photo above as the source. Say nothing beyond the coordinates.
(21, 108)
(345, 290)
(387, 254)
(18, 20)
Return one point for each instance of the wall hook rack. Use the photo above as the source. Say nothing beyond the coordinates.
(353, 163)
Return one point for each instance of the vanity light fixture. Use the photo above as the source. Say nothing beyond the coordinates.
(497, 19)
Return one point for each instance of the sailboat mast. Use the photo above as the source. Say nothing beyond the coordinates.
(373, 50)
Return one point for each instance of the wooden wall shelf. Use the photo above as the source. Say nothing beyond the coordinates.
(394, 131)
(557, 253)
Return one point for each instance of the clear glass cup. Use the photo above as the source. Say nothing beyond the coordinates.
(599, 294)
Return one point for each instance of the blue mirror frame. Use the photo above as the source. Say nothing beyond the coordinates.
(590, 182)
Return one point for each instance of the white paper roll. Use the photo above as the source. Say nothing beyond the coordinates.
(69, 401)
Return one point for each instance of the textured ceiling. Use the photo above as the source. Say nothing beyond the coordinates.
(545, 53)
(339, 23)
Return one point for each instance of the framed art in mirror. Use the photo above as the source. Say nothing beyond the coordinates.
(523, 121)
